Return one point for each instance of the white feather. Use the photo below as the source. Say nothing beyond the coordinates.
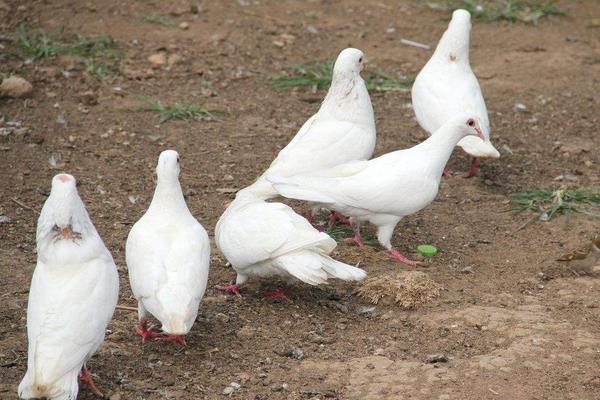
(168, 254)
(263, 239)
(73, 295)
(385, 189)
(342, 130)
(446, 87)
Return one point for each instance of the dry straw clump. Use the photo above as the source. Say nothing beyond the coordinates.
(409, 289)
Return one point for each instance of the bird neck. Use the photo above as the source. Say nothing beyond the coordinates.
(168, 196)
(348, 100)
(439, 147)
(261, 189)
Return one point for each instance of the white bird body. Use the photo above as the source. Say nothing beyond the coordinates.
(446, 87)
(342, 130)
(263, 239)
(168, 255)
(385, 189)
(72, 298)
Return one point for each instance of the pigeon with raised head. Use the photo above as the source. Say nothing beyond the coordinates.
(342, 130)
(446, 87)
(263, 239)
(72, 298)
(385, 189)
(168, 254)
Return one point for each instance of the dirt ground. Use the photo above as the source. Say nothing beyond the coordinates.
(520, 326)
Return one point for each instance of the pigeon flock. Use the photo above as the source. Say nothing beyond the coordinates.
(328, 164)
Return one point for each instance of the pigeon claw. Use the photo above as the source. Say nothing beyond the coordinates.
(472, 168)
(173, 338)
(231, 288)
(396, 255)
(336, 216)
(355, 241)
(276, 294)
(147, 332)
(85, 376)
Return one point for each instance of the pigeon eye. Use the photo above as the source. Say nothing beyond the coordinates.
(360, 60)
(177, 159)
(471, 122)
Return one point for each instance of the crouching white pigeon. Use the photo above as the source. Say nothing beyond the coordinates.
(168, 254)
(385, 189)
(446, 86)
(72, 298)
(342, 130)
(263, 239)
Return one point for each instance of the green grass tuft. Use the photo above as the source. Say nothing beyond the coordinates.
(319, 75)
(158, 19)
(547, 203)
(100, 53)
(529, 11)
(180, 111)
(339, 232)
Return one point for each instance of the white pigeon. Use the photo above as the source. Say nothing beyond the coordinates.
(446, 87)
(342, 130)
(72, 298)
(263, 239)
(385, 189)
(168, 255)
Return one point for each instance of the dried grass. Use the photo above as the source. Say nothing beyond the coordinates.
(408, 289)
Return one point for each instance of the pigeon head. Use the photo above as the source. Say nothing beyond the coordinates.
(63, 215)
(168, 165)
(350, 61)
(469, 125)
(454, 44)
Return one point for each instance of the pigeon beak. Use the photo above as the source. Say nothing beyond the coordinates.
(479, 133)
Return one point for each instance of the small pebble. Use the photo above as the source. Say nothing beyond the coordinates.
(436, 358)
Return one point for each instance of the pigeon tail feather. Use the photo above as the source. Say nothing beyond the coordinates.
(342, 271)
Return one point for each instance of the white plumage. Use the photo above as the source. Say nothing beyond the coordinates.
(342, 130)
(263, 239)
(72, 298)
(168, 254)
(446, 87)
(385, 189)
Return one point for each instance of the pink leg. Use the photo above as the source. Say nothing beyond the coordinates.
(231, 288)
(85, 376)
(336, 216)
(277, 294)
(446, 173)
(395, 254)
(357, 239)
(472, 168)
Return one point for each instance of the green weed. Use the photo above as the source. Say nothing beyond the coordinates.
(546, 203)
(319, 76)
(529, 11)
(180, 111)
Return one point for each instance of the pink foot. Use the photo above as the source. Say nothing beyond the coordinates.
(357, 240)
(276, 294)
(336, 216)
(85, 376)
(173, 338)
(147, 332)
(446, 173)
(395, 254)
(472, 168)
(231, 288)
